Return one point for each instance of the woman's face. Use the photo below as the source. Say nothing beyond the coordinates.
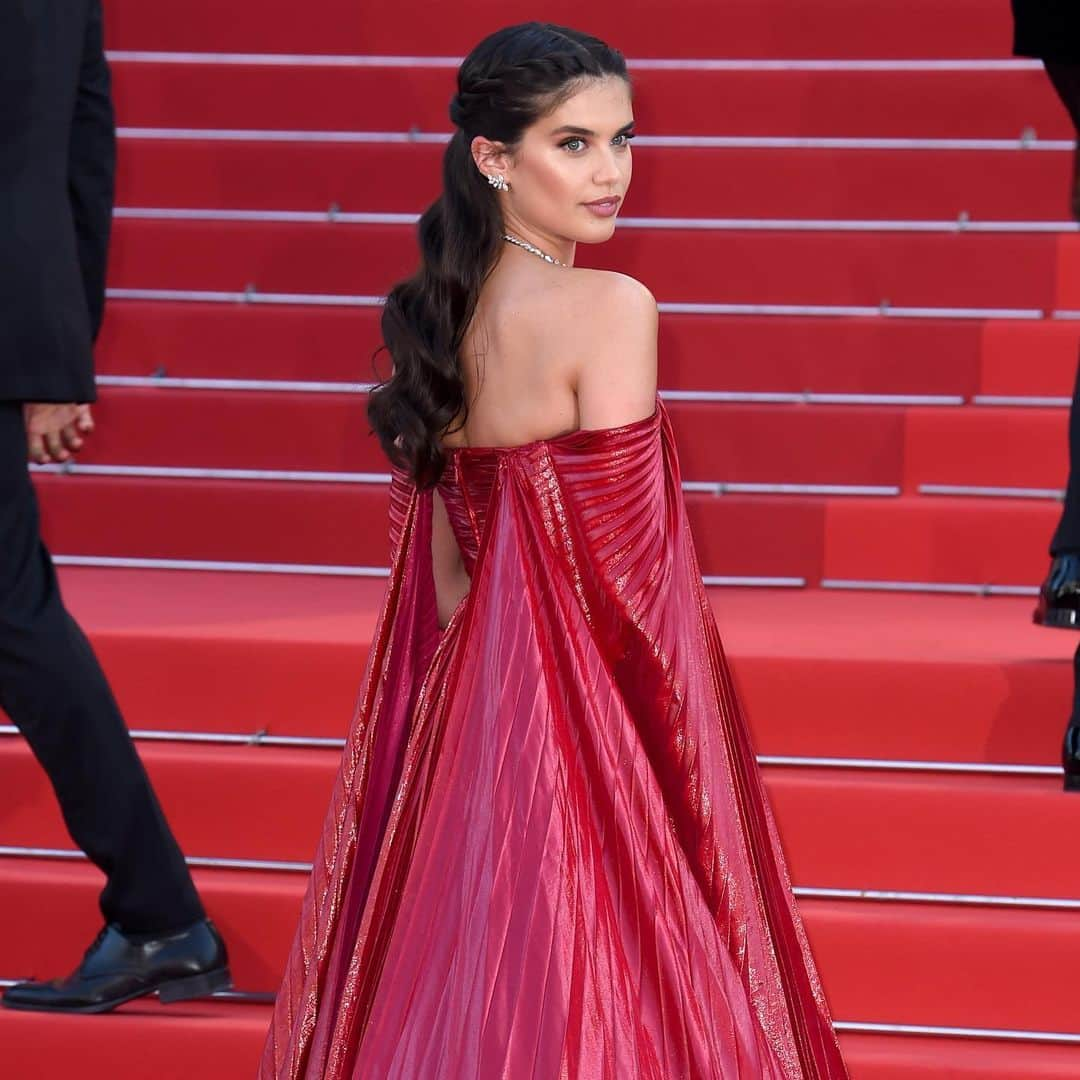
(571, 170)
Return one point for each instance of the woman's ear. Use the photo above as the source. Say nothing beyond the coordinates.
(491, 158)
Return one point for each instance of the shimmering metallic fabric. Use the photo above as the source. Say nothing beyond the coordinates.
(549, 854)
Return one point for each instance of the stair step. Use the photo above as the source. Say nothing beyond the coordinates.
(718, 442)
(906, 539)
(897, 1057)
(1028, 271)
(347, 525)
(937, 539)
(770, 28)
(697, 352)
(977, 956)
(223, 802)
(213, 1040)
(222, 1040)
(960, 835)
(51, 915)
(939, 678)
(1049, 352)
(842, 829)
(876, 959)
(928, 185)
(992, 447)
(896, 104)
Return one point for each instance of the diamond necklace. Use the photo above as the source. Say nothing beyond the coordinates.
(531, 248)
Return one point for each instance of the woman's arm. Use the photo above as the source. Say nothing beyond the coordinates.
(616, 337)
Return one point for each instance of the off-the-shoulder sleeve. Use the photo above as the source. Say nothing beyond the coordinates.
(613, 508)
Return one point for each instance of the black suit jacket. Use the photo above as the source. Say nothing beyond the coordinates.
(57, 170)
(1047, 29)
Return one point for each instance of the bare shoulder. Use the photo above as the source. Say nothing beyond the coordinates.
(589, 299)
(607, 293)
(615, 359)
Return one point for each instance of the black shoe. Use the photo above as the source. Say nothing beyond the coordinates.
(1059, 597)
(117, 968)
(1070, 758)
(1076, 183)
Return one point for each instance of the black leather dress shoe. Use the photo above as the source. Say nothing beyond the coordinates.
(117, 968)
(1059, 597)
(1070, 757)
(1076, 183)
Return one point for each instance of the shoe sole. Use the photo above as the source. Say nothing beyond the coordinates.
(1057, 619)
(194, 986)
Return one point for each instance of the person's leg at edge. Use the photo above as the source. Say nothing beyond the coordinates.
(1066, 81)
(1059, 597)
(54, 691)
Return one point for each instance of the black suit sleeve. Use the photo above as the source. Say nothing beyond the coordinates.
(92, 165)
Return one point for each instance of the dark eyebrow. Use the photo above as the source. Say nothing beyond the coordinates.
(569, 129)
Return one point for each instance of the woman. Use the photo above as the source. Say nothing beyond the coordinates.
(548, 853)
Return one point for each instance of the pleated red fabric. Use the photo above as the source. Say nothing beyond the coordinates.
(548, 853)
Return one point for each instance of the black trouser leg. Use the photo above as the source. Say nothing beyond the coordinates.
(1067, 536)
(55, 692)
(1070, 745)
(1074, 716)
(1066, 80)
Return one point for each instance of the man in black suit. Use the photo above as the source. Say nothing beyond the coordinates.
(1050, 31)
(57, 154)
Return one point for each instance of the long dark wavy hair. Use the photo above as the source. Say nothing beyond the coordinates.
(507, 83)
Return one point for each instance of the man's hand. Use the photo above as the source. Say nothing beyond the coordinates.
(54, 432)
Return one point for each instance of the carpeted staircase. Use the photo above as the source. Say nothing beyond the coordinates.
(855, 218)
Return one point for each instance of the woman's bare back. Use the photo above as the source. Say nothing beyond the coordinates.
(518, 362)
(549, 351)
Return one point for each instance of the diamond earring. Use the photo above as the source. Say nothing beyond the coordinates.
(498, 182)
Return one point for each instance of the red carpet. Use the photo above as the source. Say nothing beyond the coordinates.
(175, 1043)
(237, 652)
(694, 28)
(733, 443)
(918, 105)
(938, 679)
(930, 185)
(702, 352)
(892, 831)
(967, 951)
(909, 539)
(1032, 271)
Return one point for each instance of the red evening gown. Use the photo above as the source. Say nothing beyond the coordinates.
(548, 852)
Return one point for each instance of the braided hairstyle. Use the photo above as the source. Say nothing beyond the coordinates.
(508, 82)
